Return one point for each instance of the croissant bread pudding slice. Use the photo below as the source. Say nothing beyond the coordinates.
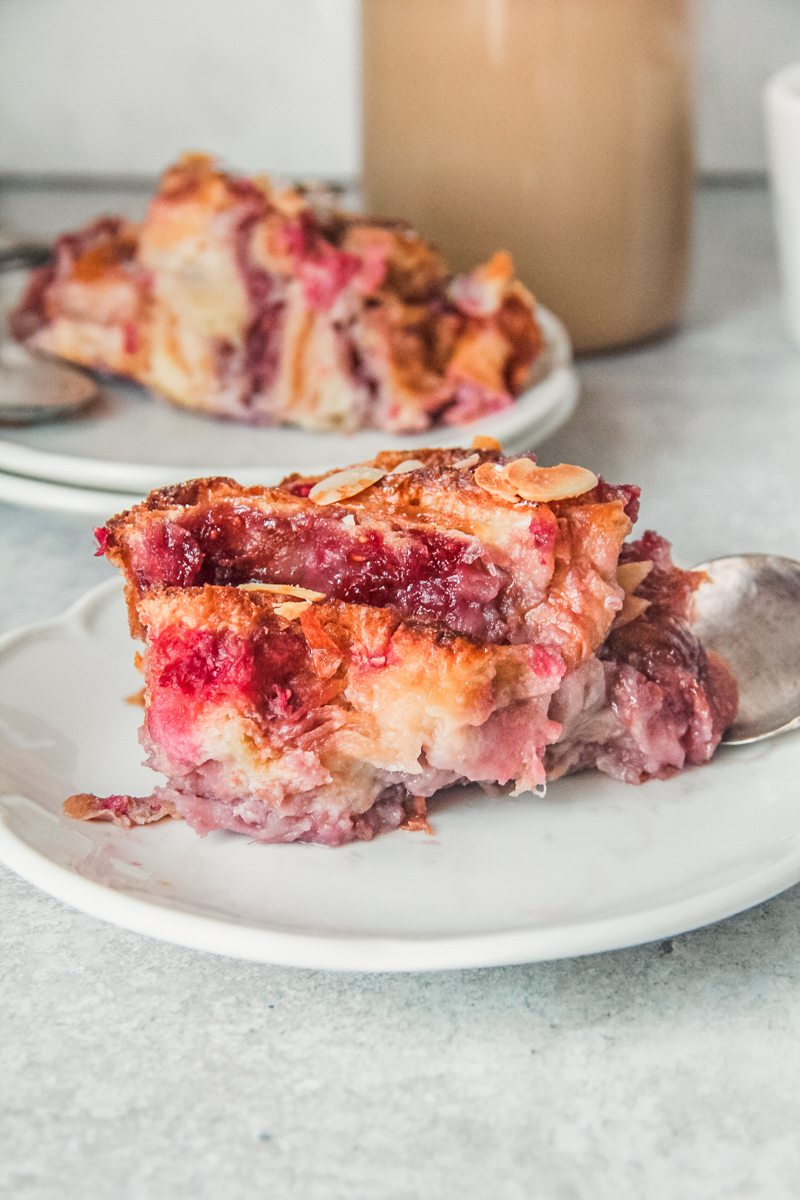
(322, 657)
(239, 299)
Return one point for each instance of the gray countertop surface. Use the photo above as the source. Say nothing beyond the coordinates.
(130, 1068)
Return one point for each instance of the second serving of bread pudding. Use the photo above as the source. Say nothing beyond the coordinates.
(320, 658)
(240, 299)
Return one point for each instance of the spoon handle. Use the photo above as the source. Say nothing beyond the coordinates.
(14, 255)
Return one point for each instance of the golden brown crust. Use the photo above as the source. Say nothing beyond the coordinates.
(441, 489)
(558, 560)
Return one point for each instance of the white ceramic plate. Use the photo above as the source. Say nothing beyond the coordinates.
(594, 866)
(130, 441)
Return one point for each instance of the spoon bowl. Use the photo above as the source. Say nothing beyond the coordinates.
(748, 611)
(39, 389)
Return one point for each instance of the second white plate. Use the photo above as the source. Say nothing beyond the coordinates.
(593, 866)
(130, 441)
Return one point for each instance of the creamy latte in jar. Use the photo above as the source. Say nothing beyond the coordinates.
(557, 129)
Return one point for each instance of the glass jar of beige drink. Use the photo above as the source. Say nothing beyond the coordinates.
(557, 129)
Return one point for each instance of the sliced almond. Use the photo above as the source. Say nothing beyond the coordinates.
(463, 463)
(283, 589)
(344, 484)
(631, 574)
(543, 484)
(292, 609)
(632, 607)
(520, 471)
(492, 478)
(480, 442)
(410, 464)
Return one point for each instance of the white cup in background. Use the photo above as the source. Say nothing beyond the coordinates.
(782, 109)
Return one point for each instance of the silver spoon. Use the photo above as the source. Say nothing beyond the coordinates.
(39, 389)
(749, 612)
(36, 389)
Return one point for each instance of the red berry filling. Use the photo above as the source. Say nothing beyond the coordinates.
(417, 572)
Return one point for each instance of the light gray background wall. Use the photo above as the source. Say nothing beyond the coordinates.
(114, 86)
(741, 43)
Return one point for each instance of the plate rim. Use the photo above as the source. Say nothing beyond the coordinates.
(559, 387)
(343, 952)
(25, 491)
